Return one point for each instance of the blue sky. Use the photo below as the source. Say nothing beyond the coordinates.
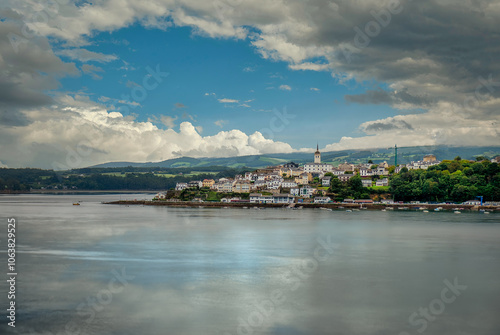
(225, 69)
(348, 74)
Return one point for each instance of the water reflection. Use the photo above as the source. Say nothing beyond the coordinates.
(217, 271)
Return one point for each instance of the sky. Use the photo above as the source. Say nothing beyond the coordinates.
(84, 83)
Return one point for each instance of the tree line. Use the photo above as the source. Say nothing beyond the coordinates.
(452, 180)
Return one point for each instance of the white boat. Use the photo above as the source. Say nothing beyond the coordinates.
(425, 211)
(348, 210)
(457, 212)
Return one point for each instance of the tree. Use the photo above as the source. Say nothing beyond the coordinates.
(335, 185)
(355, 184)
(458, 158)
(481, 158)
(370, 162)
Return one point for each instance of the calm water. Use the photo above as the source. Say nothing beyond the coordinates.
(102, 269)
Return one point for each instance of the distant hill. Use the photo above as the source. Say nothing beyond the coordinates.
(405, 155)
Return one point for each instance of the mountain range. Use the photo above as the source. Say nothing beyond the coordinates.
(405, 155)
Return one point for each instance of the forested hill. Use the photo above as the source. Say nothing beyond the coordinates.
(457, 181)
(405, 155)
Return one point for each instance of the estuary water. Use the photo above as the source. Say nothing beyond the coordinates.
(107, 269)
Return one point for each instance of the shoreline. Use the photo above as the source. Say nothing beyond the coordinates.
(79, 192)
(336, 206)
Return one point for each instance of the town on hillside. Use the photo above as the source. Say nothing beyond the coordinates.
(291, 183)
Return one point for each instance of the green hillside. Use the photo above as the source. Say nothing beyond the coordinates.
(405, 155)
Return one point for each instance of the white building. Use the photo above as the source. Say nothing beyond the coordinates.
(160, 195)
(242, 186)
(382, 182)
(307, 191)
(322, 200)
(274, 184)
(258, 198)
(345, 177)
(317, 166)
(382, 171)
(365, 172)
(181, 186)
(283, 199)
(366, 182)
(288, 184)
(326, 181)
(195, 183)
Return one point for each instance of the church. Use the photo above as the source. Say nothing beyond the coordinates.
(317, 166)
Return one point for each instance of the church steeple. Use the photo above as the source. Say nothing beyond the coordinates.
(317, 155)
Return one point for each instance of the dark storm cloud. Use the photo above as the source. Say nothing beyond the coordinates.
(29, 69)
(380, 96)
(437, 49)
(371, 97)
(384, 126)
(12, 118)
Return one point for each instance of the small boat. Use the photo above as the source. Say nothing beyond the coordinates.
(436, 209)
(486, 212)
(348, 210)
(76, 204)
(383, 210)
(457, 212)
(425, 211)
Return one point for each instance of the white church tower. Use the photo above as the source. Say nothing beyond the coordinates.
(317, 155)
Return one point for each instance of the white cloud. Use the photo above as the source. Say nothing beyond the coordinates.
(285, 88)
(309, 66)
(91, 70)
(168, 121)
(228, 101)
(444, 124)
(220, 123)
(314, 89)
(84, 55)
(85, 133)
(317, 36)
(244, 105)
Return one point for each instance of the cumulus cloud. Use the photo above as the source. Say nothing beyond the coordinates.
(444, 124)
(285, 88)
(88, 134)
